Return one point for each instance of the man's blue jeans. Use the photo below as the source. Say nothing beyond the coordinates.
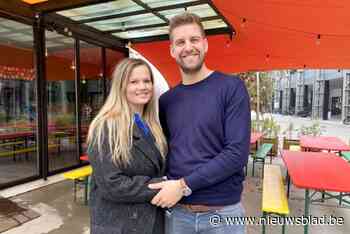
(179, 220)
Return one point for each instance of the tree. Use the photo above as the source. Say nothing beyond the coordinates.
(266, 90)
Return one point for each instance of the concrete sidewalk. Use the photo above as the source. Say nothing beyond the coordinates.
(59, 214)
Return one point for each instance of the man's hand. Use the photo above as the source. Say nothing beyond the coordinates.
(170, 193)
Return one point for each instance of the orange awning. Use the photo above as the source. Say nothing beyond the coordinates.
(271, 34)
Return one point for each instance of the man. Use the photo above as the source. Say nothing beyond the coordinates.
(206, 120)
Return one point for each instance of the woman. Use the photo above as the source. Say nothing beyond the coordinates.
(126, 148)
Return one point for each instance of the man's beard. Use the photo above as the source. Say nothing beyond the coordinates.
(191, 70)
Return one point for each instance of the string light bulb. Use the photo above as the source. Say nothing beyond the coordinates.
(318, 40)
(243, 23)
(72, 66)
(229, 40)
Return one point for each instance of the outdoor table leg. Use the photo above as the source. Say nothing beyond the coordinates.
(284, 225)
(307, 209)
(14, 155)
(58, 142)
(86, 190)
(323, 195)
(264, 227)
(26, 146)
(288, 184)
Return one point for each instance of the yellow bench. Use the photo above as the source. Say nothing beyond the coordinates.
(274, 198)
(23, 151)
(12, 143)
(294, 148)
(80, 175)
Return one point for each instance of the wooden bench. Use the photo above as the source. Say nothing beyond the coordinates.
(20, 151)
(346, 155)
(80, 176)
(260, 155)
(12, 143)
(289, 143)
(274, 198)
(15, 145)
(294, 148)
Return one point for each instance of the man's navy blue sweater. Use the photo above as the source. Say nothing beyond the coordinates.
(207, 125)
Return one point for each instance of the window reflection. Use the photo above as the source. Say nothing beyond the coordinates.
(61, 103)
(18, 106)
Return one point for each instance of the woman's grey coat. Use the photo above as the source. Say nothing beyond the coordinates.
(119, 197)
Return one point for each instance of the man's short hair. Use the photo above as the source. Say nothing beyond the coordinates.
(184, 19)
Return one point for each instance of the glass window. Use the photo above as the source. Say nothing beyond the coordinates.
(103, 9)
(143, 33)
(113, 58)
(126, 22)
(203, 10)
(214, 24)
(15, 34)
(156, 31)
(160, 3)
(91, 86)
(60, 75)
(92, 83)
(18, 104)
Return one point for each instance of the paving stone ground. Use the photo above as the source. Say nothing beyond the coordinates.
(13, 215)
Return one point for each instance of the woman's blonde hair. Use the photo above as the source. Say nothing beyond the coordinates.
(116, 116)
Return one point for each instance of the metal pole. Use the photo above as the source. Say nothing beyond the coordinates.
(257, 96)
(77, 98)
(41, 96)
(104, 72)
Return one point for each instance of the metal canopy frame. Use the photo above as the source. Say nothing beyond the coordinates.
(64, 25)
(84, 30)
(52, 12)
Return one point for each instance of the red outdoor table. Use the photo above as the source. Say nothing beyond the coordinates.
(323, 143)
(84, 158)
(15, 135)
(320, 172)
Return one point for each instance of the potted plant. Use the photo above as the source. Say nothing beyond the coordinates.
(271, 130)
(289, 137)
(314, 130)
